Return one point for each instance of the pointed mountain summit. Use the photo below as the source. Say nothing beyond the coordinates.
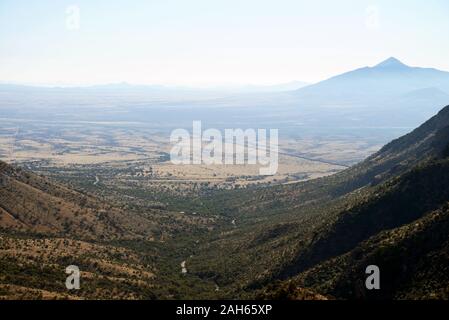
(375, 85)
(391, 62)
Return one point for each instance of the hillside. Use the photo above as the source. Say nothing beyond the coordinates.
(309, 240)
(46, 226)
(395, 203)
(402, 227)
(428, 141)
(31, 203)
(399, 222)
(305, 225)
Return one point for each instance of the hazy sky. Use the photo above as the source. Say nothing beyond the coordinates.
(205, 42)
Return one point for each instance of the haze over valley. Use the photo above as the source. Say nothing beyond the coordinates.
(218, 150)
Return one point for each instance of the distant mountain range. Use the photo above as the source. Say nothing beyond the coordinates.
(389, 94)
(281, 87)
(390, 78)
(124, 87)
(383, 101)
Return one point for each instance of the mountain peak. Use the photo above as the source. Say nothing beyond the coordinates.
(391, 62)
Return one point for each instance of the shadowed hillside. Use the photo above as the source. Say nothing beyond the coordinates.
(399, 222)
(291, 230)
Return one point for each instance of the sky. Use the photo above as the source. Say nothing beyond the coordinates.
(213, 42)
